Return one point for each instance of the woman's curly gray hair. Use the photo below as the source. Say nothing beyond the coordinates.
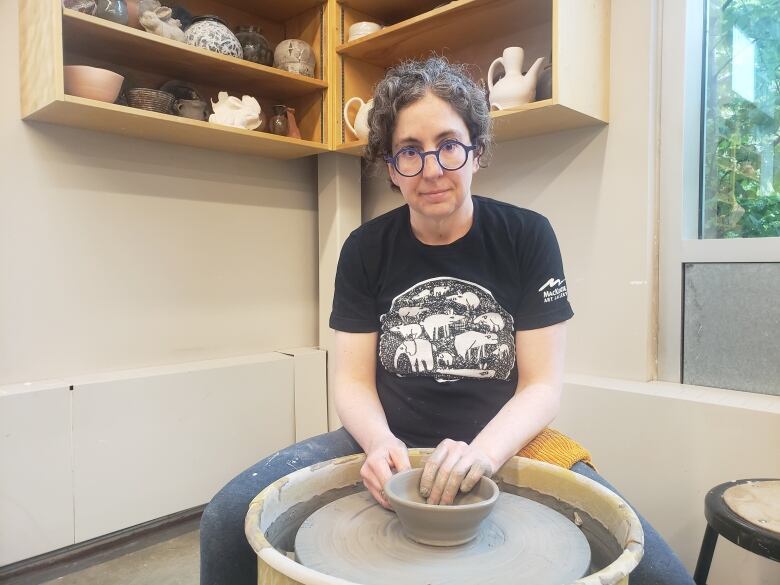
(408, 82)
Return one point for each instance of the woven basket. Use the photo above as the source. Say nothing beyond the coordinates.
(153, 100)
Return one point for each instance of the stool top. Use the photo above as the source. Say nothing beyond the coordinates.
(756, 503)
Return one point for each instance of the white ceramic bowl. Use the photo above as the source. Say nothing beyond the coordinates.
(92, 83)
(361, 29)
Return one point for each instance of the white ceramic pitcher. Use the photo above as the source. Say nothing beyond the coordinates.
(360, 129)
(514, 89)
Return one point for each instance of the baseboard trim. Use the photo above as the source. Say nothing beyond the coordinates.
(83, 550)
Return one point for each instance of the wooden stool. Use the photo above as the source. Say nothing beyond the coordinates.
(747, 512)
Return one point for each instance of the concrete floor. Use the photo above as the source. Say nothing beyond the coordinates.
(170, 557)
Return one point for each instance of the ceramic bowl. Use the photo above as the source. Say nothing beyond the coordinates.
(361, 29)
(92, 83)
(435, 524)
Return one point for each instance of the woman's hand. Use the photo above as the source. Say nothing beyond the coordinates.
(453, 466)
(382, 459)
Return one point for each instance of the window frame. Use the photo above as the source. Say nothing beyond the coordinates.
(679, 176)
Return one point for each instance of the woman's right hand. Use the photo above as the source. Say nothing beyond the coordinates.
(383, 458)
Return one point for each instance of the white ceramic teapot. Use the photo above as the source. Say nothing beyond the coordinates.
(360, 129)
(514, 89)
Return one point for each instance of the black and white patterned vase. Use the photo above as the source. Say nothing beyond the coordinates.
(211, 32)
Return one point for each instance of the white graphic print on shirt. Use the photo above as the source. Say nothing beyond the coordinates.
(448, 329)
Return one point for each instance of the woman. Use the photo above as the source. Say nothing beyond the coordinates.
(450, 316)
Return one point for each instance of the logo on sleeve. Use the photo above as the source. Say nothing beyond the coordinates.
(553, 289)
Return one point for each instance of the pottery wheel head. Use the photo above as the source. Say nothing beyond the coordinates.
(522, 541)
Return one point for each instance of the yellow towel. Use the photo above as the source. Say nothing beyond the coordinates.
(554, 447)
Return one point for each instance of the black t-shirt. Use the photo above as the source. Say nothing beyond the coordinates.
(446, 315)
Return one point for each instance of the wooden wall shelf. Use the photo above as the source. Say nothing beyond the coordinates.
(137, 49)
(94, 115)
(571, 34)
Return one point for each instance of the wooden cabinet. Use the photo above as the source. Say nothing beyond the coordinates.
(572, 35)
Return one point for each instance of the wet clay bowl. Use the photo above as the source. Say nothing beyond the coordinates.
(92, 83)
(439, 525)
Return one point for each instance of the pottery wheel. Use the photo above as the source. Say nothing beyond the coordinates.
(521, 541)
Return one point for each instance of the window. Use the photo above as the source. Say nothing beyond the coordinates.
(741, 113)
(719, 183)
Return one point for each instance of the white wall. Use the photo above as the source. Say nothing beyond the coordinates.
(118, 253)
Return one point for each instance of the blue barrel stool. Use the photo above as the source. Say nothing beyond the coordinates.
(747, 512)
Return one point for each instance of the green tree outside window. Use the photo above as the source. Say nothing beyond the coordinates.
(741, 120)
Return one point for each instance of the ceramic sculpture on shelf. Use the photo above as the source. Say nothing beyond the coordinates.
(211, 33)
(514, 89)
(240, 113)
(295, 56)
(161, 24)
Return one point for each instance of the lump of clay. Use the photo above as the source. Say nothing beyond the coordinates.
(160, 23)
(240, 113)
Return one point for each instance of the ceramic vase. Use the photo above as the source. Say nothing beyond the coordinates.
(360, 128)
(113, 10)
(255, 45)
(211, 32)
(514, 89)
(295, 56)
(279, 124)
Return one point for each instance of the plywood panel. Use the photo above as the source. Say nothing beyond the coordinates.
(83, 113)
(147, 447)
(391, 11)
(40, 54)
(36, 496)
(581, 66)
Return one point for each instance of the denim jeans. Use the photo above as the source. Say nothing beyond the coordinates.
(227, 559)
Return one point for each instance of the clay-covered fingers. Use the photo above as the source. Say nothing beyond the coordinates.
(399, 458)
(477, 470)
(375, 472)
(449, 472)
(431, 468)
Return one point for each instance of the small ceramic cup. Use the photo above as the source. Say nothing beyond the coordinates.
(439, 525)
(361, 29)
(193, 109)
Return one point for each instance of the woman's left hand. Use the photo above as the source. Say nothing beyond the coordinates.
(453, 466)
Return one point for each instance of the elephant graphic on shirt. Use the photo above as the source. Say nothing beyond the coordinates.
(438, 326)
(492, 321)
(448, 329)
(468, 299)
(412, 331)
(472, 345)
(419, 352)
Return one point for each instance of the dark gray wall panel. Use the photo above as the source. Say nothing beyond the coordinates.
(731, 329)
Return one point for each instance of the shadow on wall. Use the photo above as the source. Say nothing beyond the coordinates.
(108, 163)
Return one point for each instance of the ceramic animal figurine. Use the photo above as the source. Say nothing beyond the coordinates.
(360, 129)
(231, 111)
(160, 23)
(514, 89)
